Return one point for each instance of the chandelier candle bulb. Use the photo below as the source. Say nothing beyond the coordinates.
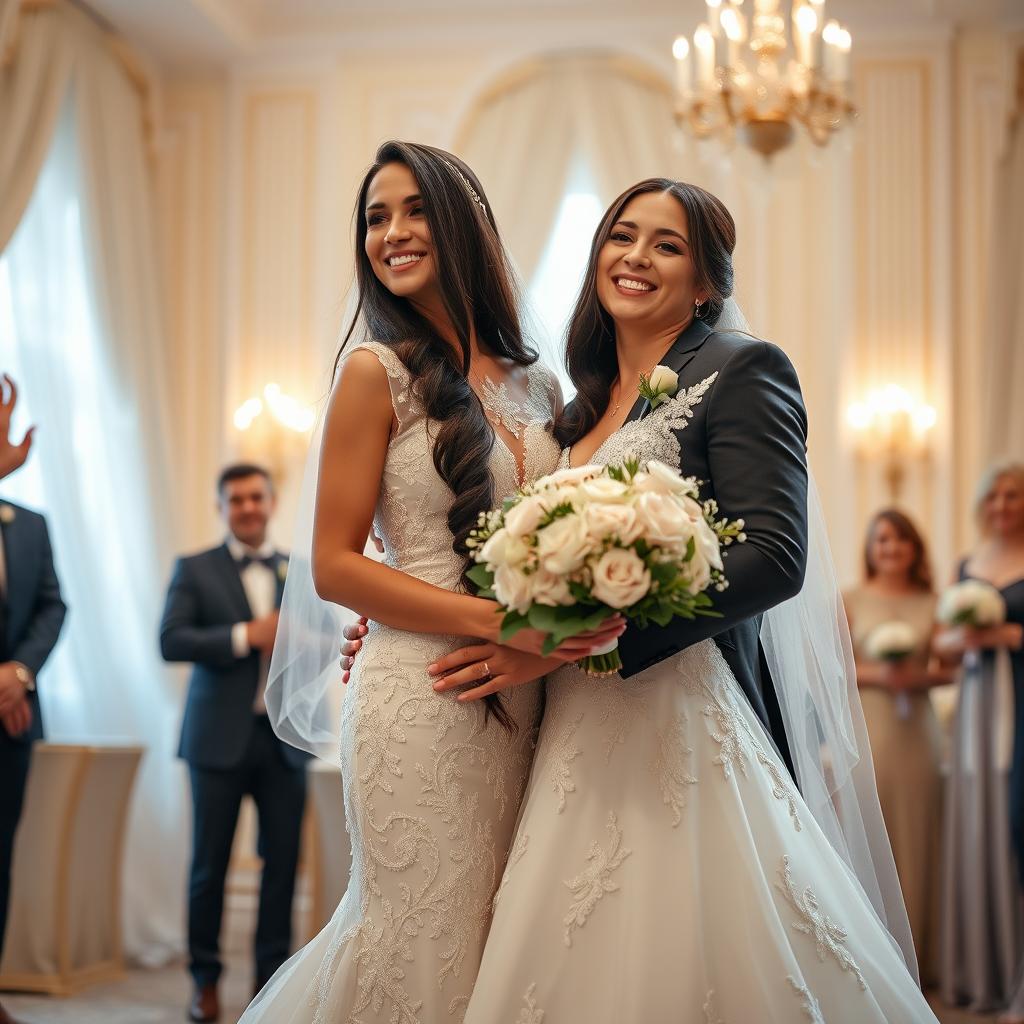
(830, 36)
(715, 17)
(732, 23)
(805, 26)
(681, 52)
(704, 45)
(843, 55)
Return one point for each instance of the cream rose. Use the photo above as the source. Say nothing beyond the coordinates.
(567, 477)
(523, 518)
(611, 521)
(663, 519)
(502, 548)
(551, 589)
(664, 381)
(563, 545)
(620, 578)
(513, 589)
(660, 479)
(604, 490)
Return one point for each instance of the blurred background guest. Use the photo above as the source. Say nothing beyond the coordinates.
(984, 827)
(31, 616)
(221, 614)
(892, 620)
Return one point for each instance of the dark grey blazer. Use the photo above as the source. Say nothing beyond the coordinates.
(747, 441)
(35, 610)
(205, 599)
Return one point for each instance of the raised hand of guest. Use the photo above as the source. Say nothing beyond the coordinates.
(19, 719)
(262, 632)
(12, 456)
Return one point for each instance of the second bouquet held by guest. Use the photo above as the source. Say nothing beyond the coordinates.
(892, 620)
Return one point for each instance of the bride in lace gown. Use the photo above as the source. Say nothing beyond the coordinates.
(665, 867)
(432, 786)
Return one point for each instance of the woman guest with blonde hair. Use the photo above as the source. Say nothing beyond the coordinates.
(892, 621)
(984, 828)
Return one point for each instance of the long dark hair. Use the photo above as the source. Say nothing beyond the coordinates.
(590, 346)
(476, 284)
(920, 572)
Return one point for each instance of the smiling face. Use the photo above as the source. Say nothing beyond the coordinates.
(1002, 508)
(398, 244)
(645, 272)
(890, 553)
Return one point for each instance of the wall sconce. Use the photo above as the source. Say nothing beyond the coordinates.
(274, 426)
(893, 424)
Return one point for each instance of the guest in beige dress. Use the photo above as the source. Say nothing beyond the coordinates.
(904, 732)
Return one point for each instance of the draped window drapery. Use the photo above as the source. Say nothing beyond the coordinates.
(81, 328)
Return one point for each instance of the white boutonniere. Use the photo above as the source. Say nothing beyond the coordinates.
(282, 569)
(660, 386)
(6, 514)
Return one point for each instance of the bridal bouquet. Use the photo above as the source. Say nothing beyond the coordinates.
(972, 603)
(574, 547)
(891, 641)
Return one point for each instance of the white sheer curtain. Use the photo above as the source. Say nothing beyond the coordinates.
(80, 330)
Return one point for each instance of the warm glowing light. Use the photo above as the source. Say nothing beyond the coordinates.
(247, 412)
(731, 24)
(832, 33)
(287, 411)
(890, 413)
(681, 48)
(806, 20)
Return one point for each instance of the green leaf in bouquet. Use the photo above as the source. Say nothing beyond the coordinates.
(511, 624)
(482, 577)
(581, 593)
(691, 548)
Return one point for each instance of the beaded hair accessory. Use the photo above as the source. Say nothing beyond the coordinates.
(473, 194)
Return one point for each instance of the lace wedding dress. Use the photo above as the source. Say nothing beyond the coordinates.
(431, 791)
(665, 868)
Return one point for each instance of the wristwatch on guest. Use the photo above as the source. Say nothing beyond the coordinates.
(24, 676)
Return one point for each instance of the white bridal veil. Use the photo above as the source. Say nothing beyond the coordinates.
(809, 653)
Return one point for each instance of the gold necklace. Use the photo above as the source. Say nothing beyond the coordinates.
(615, 407)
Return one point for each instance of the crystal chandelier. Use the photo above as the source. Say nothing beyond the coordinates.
(742, 76)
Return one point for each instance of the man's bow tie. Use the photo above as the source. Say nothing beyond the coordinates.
(246, 560)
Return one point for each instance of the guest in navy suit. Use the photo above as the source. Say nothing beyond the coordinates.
(31, 616)
(221, 615)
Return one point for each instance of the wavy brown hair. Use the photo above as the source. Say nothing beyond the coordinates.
(920, 572)
(477, 288)
(590, 346)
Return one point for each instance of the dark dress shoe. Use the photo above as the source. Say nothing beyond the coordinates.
(205, 1006)
(5, 1017)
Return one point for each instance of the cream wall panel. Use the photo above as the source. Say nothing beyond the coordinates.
(190, 186)
(904, 224)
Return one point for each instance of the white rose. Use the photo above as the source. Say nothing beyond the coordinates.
(707, 543)
(620, 578)
(972, 602)
(603, 521)
(604, 490)
(563, 544)
(661, 479)
(504, 549)
(663, 519)
(664, 381)
(891, 640)
(567, 477)
(524, 518)
(513, 588)
(551, 589)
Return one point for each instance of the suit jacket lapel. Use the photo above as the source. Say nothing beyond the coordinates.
(234, 581)
(681, 352)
